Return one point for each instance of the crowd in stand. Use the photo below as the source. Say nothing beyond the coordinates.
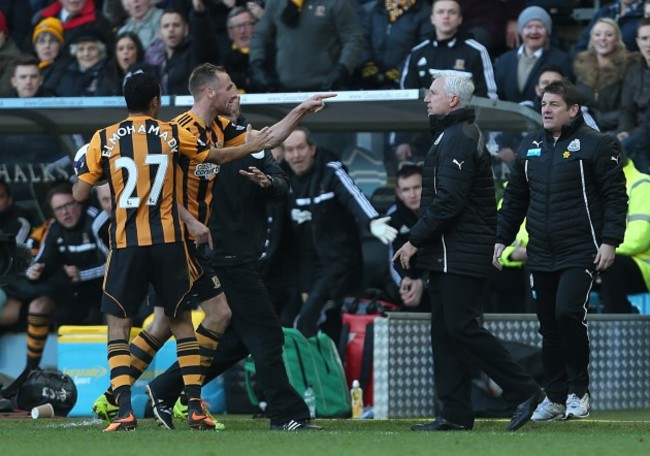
(77, 48)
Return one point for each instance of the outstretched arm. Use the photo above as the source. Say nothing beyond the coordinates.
(282, 129)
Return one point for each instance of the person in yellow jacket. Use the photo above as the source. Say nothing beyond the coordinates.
(630, 273)
(508, 288)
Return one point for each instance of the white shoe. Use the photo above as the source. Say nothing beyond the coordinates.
(549, 411)
(578, 407)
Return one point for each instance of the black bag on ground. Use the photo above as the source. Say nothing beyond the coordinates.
(48, 386)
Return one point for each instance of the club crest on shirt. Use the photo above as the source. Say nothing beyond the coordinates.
(574, 145)
(459, 65)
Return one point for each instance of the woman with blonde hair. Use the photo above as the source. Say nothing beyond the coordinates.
(600, 71)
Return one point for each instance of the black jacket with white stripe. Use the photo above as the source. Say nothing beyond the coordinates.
(336, 209)
(458, 53)
(457, 226)
(79, 246)
(572, 193)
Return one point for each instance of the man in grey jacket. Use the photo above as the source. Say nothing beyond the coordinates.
(315, 46)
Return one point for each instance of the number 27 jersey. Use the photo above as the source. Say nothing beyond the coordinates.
(138, 156)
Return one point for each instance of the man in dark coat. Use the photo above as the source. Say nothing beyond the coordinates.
(452, 239)
(568, 182)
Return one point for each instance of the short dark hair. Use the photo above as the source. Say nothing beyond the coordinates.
(62, 188)
(202, 75)
(23, 60)
(408, 169)
(553, 69)
(566, 90)
(139, 89)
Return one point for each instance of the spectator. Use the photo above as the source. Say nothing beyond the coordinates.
(313, 47)
(77, 17)
(180, 49)
(34, 149)
(329, 253)
(630, 272)
(409, 283)
(391, 29)
(48, 44)
(517, 71)
(626, 13)
(646, 8)
(635, 100)
(449, 50)
(128, 52)
(493, 23)
(241, 23)
(600, 71)
(8, 52)
(18, 15)
(143, 20)
(64, 284)
(84, 74)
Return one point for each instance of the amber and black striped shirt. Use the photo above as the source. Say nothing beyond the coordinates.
(195, 180)
(138, 157)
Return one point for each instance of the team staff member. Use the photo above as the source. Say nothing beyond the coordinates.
(65, 281)
(239, 230)
(137, 157)
(568, 183)
(453, 239)
(409, 286)
(327, 211)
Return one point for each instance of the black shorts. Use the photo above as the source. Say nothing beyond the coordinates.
(205, 287)
(129, 271)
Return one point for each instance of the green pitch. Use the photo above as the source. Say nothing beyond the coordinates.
(604, 433)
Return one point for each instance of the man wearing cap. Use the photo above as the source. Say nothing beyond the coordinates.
(48, 44)
(517, 71)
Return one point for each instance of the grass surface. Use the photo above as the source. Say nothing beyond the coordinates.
(604, 433)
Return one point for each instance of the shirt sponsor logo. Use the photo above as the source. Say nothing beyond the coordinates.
(537, 152)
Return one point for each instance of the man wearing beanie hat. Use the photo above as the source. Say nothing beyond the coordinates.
(8, 52)
(534, 13)
(516, 72)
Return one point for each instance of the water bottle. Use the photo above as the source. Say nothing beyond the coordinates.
(310, 401)
(356, 394)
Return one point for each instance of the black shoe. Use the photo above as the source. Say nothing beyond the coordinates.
(14, 386)
(440, 424)
(296, 425)
(161, 411)
(525, 410)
